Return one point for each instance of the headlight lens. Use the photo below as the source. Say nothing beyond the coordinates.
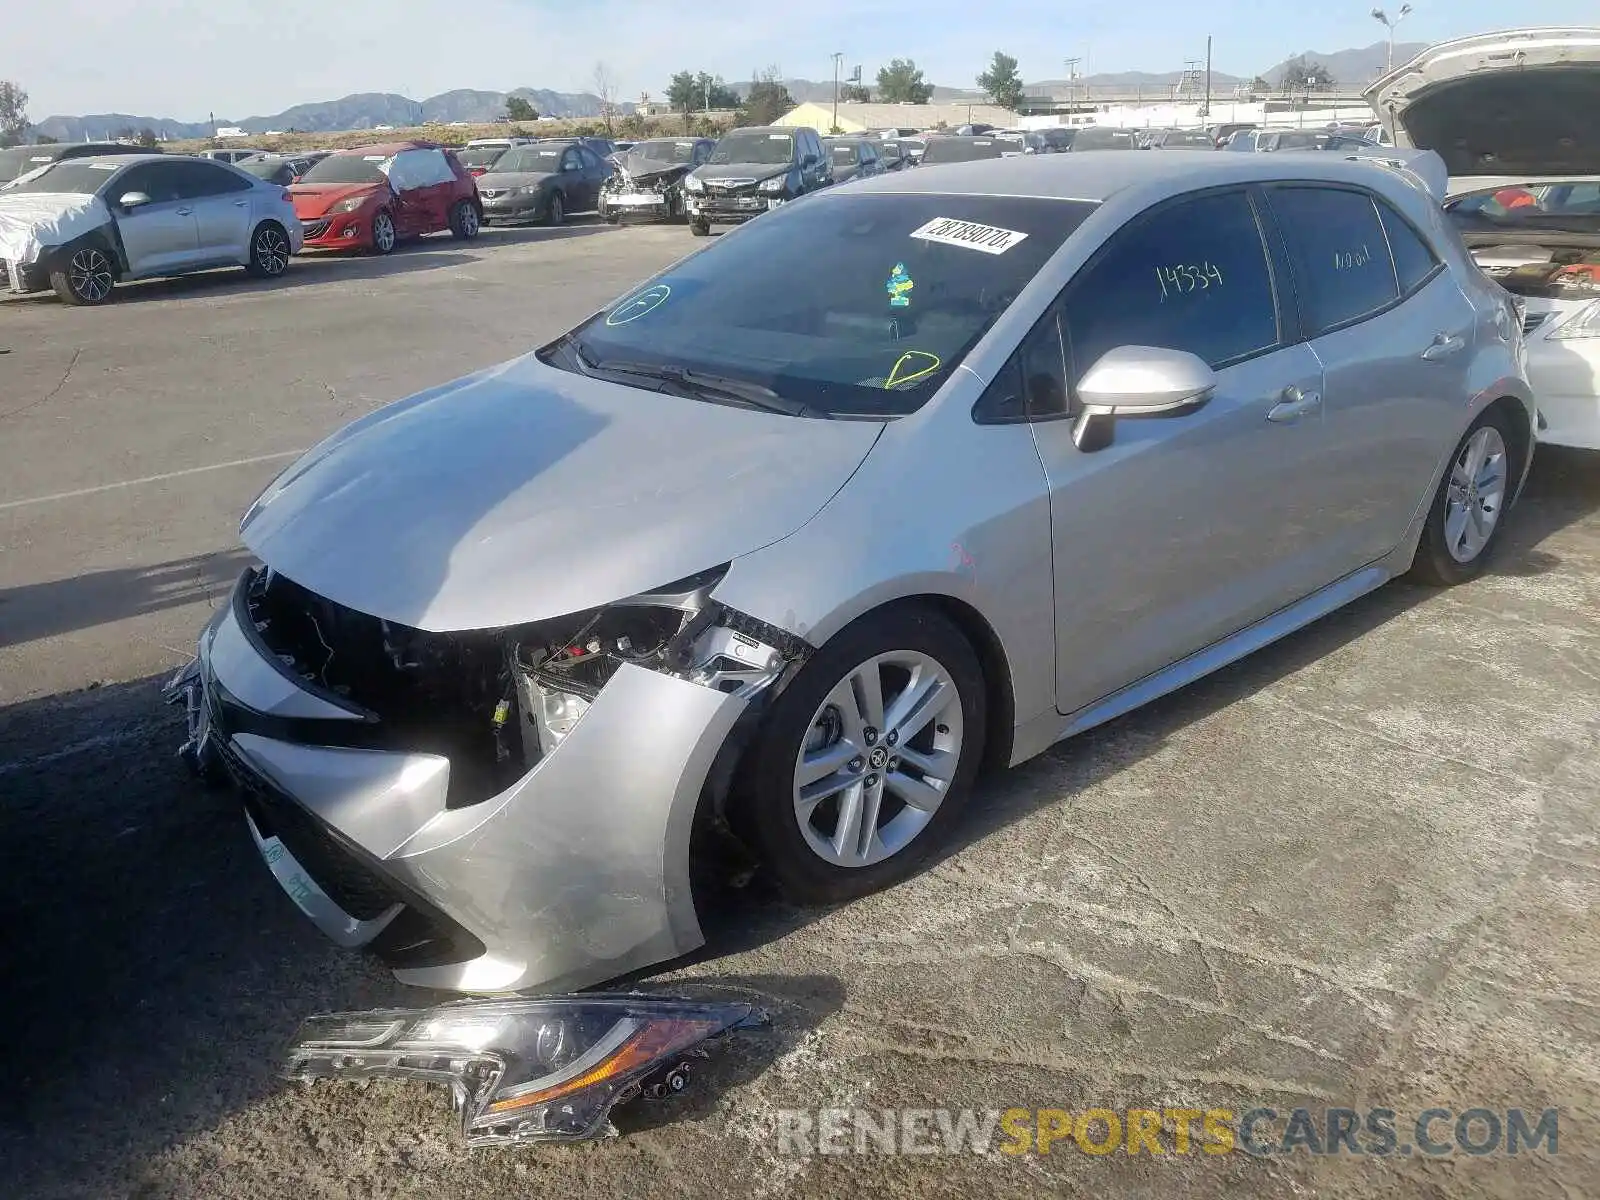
(348, 205)
(694, 183)
(524, 1070)
(775, 185)
(1585, 323)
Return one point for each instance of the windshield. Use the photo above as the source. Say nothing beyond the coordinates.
(765, 148)
(955, 149)
(1529, 208)
(664, 150)
(480, 156)
(21, 160)
(545, 160)
(347, 168)
(82, 176)
(268, 168)
(845, 155)
(856, 305)
(1105, 139)
(1187, 137)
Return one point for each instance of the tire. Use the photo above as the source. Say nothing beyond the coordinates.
(269, 251)
(464, 221)
(699, 228)
(797, 826)
(557, 213)
(88, 276)
(1469, 508)
(384, 237)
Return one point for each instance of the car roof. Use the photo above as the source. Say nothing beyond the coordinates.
(1098, 175)
(124, 160)
(389, 149)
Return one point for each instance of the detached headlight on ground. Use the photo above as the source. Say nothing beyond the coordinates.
(548, 1069)
(1585, 323)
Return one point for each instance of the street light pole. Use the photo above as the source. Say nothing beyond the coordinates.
(838, 58)
(1383, 19)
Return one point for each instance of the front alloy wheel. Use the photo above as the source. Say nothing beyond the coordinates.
(864, 761)
(269, 253)
(87, 277)
(878, 759)
(383, 236)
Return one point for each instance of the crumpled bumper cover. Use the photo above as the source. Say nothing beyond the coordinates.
(577, 873)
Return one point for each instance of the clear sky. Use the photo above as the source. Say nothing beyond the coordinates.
(181, 59)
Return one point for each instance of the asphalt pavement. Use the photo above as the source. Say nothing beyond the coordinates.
(1358, 870)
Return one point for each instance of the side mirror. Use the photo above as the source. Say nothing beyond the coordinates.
(1138, 381)
(809, 160)
(133, 199)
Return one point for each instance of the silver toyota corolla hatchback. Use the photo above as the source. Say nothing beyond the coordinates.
(907, 477)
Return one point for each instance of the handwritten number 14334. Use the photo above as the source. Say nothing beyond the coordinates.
(1184, 278)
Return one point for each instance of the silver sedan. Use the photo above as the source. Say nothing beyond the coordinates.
(778, 549)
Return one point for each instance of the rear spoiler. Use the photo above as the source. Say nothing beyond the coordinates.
(1424, 167)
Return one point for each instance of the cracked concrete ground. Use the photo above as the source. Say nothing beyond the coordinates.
(1359, 869)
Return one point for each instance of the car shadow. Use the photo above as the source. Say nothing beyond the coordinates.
(41, 610)
(1563, 487)
(522, 234)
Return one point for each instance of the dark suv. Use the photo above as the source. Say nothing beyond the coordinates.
(753, 170)
(21, 159)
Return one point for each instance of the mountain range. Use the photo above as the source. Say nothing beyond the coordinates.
(1352, 69)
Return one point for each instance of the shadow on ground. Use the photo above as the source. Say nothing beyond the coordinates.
(41, 610)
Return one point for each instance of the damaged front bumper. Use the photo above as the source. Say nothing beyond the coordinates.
(575, 872)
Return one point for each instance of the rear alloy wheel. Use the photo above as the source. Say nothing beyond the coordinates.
(86, 278)
(383, 237)
(558, 212)
(464, 221)
(866, 758)
(1466, 514)
(269, 252)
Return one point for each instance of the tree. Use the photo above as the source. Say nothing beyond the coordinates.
(606, 88)
(1300, 74)
(901, 83)
(1001, 82)
(767, 100)
(518, 109)
(44, 139)
(147, 136)
(695, 91)
(13, 113)
(854, 93)
(1259, 84)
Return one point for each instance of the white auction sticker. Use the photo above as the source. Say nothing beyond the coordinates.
(949, 231)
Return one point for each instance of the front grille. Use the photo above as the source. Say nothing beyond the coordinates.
(491, 193)
(1532, 321)
(315, 229)
(348, 883)
(717, 189)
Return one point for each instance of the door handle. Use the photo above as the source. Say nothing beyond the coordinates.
(241, 204)
(1444, 346)
(184, 212)
(1294, 405)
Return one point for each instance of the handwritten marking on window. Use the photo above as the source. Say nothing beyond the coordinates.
(1350, 260)
(1184, 278)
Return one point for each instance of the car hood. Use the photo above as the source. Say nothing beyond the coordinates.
(32, 221)
(642, 170)
(315, 199)
(493, 180)
(1516, 104)
(523, 492)
(756, 171)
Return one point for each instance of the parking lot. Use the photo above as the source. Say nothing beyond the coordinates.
(1359, 869)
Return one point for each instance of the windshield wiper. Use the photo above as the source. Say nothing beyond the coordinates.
(705, 385)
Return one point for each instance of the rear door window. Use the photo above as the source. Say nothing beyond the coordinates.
(1340, 256)
(1193, 275)
(1414, 260)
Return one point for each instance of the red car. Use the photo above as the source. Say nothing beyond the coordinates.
(374, 196)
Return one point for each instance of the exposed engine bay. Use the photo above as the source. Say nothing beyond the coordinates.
(494, 702)
(1543, 272)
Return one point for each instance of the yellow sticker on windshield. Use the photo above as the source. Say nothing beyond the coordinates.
(899, 287)
(912, 366)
